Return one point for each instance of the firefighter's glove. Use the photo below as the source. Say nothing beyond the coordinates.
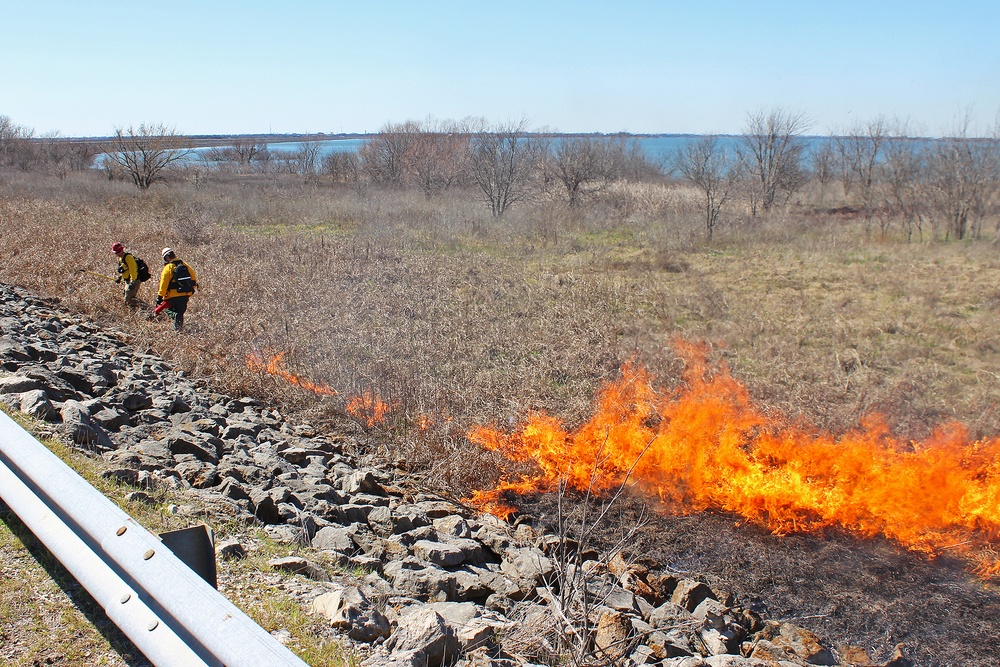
(159, 299)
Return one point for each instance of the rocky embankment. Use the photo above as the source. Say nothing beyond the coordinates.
(443, 585)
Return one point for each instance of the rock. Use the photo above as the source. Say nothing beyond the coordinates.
(111, 419)
(415, 580)
(381, 521)
(527, 567)
(669, 615)
(124, 475)
(672, 644)
(230, 550)
(452, 526)
(140, 497)
(17, 384)
(12, 351)
(35, 403)
(720, 641)
(134, 401)
(285, 534)
(722, 660)
(445, 555)
(470, 625)
(612, 636)
(689, 594)
(335, 538)
(358, 481)
(642, 655)
(264, 507)
(799, 642)
(180, 442)
(298, 565)
(711, 613)
(469, 585)
(80, 429)
(349, 609)
(424, 631)
(199, 474)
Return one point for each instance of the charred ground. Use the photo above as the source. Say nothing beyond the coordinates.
(862, 592)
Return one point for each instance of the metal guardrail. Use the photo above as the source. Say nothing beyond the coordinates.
(169, 612)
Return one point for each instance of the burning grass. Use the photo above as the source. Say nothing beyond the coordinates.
(707, 446)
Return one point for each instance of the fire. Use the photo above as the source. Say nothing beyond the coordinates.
(424, 421)
(368, 407)
(706, 446)
(272, 366)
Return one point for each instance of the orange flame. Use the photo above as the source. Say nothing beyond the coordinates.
(706, 446)
(272, 366)
(368, 407)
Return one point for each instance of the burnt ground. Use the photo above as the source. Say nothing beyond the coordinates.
(861, 592)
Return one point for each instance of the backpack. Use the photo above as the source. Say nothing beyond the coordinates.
(143, 269)
(181, 280)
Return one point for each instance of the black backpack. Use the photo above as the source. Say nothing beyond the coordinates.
(181, 280)
(143, 269)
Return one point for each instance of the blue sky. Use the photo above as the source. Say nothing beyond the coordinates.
(223, 67)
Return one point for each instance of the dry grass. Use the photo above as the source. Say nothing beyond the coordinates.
(445, 313)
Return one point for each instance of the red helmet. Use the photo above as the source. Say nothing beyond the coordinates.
(117, 248)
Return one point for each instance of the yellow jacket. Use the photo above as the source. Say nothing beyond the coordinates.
(127, 268)
(167, 276)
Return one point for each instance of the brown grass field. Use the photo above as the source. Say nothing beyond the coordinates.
(455, 319)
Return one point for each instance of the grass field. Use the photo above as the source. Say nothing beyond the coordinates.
(454, 319)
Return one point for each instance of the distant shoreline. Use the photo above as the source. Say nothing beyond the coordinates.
(227, 139)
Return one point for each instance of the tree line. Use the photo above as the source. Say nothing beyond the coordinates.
(943, 187)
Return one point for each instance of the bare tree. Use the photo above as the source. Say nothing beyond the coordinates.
(242, 154)
(708, 166)
(439, 155)
(773, 146)
(964, 175)
(16, 148)
(823, 165)
(145, 153)
(248, 150)
(344, 167)
(861, 148)
(904, 174)
(307, 157)
(503, 159)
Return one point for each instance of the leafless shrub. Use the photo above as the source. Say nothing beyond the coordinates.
(144, 153)
(586, 165)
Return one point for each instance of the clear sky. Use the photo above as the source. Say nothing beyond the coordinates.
(83, 68)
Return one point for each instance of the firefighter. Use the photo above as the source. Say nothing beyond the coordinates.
(177, 283)
(128, 271)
